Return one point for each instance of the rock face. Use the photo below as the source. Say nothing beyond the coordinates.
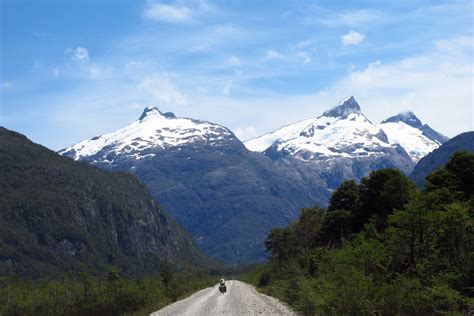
(340, 144)
(226, 196)
(57, 215)
(440, 156)
(416, 138)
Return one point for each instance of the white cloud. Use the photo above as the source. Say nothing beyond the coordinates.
(352, 38)
(272, 55)
(374, 64)
(181, 11)
(161, 90)
(79, 54)
(303, 44)
(168, 13)
(437, 86)
(234, 61)
(305, 57)
(246, 133)
(227, 88)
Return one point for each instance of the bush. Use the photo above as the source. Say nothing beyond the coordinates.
(264, 278)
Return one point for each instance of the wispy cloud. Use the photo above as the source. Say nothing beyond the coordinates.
(173, 13)
(305, 57)
(352, 38)
(79, 54)
(234, 61)
(227, 88)
(272, 55)
(303, 44)
(180, 11)
(161, 90)
(429, 84)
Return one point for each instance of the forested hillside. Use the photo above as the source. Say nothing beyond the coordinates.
(57, 215)
(382, 247)
(439, 157)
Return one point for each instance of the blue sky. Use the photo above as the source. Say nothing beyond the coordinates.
(74, 69)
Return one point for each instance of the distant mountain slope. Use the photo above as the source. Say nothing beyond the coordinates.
(57, 215)
(416, 138)
(439, 157)
(340, 144)
(227, 197)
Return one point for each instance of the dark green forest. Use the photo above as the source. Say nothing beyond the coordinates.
(57, 215)
(382, 247)
(87, 293)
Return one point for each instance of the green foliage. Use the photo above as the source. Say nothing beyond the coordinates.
(93, 295)
(382, 248)
(264, 278)
(282, 243)
(457, 176)
(58, 215)
(346, 197)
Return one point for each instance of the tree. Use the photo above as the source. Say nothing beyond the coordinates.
(382, 192)
(309, 226)
(346, 197)
(165, 273)
(282, 244)
(411, 237)
(456, 238)
(457, 176)
(336, 228)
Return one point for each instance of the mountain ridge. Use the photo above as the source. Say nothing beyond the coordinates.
(347, 109)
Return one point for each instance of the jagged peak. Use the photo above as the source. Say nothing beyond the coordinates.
(408, 118)
(155, 111)
(347, 106)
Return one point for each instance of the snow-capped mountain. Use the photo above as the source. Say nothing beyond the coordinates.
(153, 131)
(340, 132)
(408, 131)
(227, 197)
(340, 144)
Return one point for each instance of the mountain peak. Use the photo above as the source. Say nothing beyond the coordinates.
(344, 108)
(155, 111)
(408, 118)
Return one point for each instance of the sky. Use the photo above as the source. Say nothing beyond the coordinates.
(71, 70)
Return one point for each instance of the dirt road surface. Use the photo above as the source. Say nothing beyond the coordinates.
(240, 299)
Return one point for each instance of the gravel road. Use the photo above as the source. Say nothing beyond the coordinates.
(240, 299)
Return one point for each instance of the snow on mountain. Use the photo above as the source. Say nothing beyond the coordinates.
(152, 130)
(408, 131)
(261, 143)
(342, 131)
